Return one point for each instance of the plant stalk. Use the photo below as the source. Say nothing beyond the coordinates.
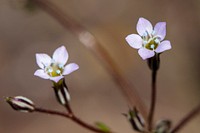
(90, 42)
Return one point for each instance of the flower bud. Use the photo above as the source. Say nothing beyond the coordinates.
(136, 120)
(21, 103)
(61, 92)
(163, 126)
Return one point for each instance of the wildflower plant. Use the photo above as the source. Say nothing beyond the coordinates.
(150, 44)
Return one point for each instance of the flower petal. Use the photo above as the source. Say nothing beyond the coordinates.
(40, 73)
(56, 79)
(60, 55)
(163, 46)
(43, 60)
(160, 30)
(70, 68)
(144, 26)
(134, 41)
(145, 53)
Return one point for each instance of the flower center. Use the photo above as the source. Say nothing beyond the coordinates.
(54, 69)
(150, 41)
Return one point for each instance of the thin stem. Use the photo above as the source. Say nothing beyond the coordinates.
(69, 109)
(90, 42)
(153, 100)
(83, 124)
(52, 112)
(186, 119)
(71, 117)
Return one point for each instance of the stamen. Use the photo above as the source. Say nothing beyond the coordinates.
(152, 46)
(148, 34)
(145, 34)
(157, 41)
(60, 66)
(58, 71)
(145, 42)
(153, 33)
(50, 70)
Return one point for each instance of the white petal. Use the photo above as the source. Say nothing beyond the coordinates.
(56, 79)
(40, 73)
(134, 41)
(60, 55)
(160, 30)
(145, 53)
(144, 26)
(43, 60)
(70, 68)
(163, 46)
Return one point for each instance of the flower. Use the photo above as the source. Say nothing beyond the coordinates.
(149, 41)
(54, 68)
(21, 103)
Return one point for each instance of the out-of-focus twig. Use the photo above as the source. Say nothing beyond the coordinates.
(96, 48)
(186, 119)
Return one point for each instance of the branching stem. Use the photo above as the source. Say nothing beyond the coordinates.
(72, 117)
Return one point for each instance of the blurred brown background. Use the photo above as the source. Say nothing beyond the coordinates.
(95, 97)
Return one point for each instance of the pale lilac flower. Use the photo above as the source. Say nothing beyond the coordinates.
(150, 40)
(54, 68)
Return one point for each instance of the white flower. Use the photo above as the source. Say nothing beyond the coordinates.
(54, 68)
(149, 41)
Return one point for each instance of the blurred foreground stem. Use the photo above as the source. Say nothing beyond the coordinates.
(186, 119)
(88, 40)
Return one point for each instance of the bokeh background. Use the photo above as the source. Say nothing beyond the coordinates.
(95, 97)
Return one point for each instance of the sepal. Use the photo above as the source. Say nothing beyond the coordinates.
(61, 92)
(154, 62)
(136, 120)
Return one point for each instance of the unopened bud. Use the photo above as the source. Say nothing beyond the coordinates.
(163, 126)
(21, 103)
(136, 120)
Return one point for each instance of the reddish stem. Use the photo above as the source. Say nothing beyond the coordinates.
(153, 100)
(71, 117)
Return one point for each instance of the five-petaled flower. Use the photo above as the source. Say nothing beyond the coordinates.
(54, 68)
(149, 41)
